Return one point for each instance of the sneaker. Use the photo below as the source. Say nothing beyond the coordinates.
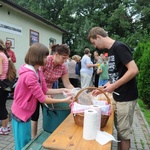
(8, 127)
(4, 131)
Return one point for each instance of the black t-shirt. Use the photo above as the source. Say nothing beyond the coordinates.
(118, 56)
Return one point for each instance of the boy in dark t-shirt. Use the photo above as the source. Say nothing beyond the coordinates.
(119, 56)
(122, 82)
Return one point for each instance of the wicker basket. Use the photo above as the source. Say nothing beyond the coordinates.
(79, 117)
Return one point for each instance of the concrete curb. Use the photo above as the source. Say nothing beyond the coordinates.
(141, 113)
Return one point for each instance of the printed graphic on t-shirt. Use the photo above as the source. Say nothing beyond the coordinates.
(113, 74)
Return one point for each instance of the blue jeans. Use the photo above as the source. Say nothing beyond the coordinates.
(102, 82)
(55, 85)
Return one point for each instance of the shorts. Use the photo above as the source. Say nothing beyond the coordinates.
(123, 118)
(3, 109)
(36, 114)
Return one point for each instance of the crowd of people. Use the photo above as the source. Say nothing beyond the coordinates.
(89, 72)
(38, 81)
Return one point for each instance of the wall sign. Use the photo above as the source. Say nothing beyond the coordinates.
(34, 37)
(7, 27)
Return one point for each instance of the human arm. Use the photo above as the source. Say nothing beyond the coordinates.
(13, 57)
(50, 100)
(87, 61)
(99, 70)
(91, 65)
(40, 92)
(132, 71)
(57, 91)
(1, 68)
(51, 91)
(66, 82)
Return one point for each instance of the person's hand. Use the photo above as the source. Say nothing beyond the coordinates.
(109, 88)
(99, 71)
(49, 96)
(67, 92)
(98, 64)
(96, 92)
(69, 99)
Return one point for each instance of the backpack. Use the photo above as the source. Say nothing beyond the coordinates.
(8, 85)
(78, 68)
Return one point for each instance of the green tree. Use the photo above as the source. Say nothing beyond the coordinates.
(138, 54)
(125, 20)
(48, 9)
(144, 74)
(143, 14)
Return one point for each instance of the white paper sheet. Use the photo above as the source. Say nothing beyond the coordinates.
(103, 137)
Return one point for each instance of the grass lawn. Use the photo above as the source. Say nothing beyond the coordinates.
(145, 110)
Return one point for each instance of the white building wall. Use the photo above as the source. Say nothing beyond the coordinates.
(13, 17)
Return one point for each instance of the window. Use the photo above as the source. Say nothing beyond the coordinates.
(52, 41)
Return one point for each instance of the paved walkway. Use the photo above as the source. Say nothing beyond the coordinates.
(140, 140)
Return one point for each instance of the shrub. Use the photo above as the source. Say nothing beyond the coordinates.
(144, 74)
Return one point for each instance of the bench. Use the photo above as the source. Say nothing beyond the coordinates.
(36, 143)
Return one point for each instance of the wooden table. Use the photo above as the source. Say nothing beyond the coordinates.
(69, 136)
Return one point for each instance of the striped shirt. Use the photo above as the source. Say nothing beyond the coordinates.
(4, 66)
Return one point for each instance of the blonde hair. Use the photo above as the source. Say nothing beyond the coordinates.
(1, 42)
(77, 58)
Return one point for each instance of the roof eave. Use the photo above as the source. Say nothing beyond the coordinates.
(20, 8)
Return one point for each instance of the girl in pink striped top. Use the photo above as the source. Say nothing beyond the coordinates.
(4, 70)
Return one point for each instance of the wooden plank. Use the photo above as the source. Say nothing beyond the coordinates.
(61, 132)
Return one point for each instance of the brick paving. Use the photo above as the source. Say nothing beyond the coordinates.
(140, 140)
(141, 133)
